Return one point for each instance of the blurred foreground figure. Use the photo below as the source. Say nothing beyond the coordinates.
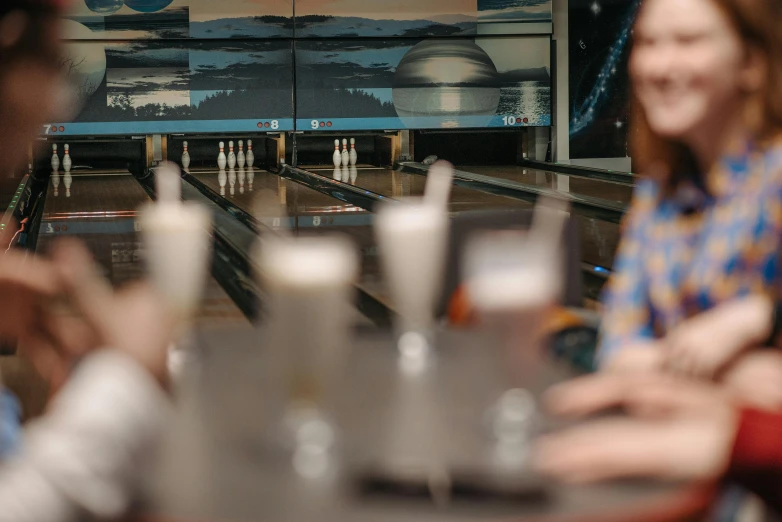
(85, 455)
(705, 226)
(675, 429)
(82, 458)
(33, 87)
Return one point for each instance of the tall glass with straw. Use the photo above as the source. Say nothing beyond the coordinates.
(513, 280)
(412, 239)
(177, 241)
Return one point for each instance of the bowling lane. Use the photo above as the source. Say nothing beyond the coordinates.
(611, 191)
(598, 238)
(395, 184)
(101, 211)
(311, 212)
(308, 212)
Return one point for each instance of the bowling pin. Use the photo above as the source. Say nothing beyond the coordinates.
(353, 153)
(240, 158)
(250, 156)
(241, 177)
(345, 158)
(353, 174)
(222, 179)
(232, 181)
(66, 160)
(67, 181)
(185, 157)
(337, 156)
(250, 178)
(56, 182)
(55, 159)
(231, 155)
(221, 161)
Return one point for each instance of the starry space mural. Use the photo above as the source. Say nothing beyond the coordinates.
(600, 38)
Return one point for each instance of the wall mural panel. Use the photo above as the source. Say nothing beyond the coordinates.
(167, 19)
(137, 87)
(160, 66)
(423, 84)
(600, 34)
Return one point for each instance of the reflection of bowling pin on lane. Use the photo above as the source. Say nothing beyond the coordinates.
(241, 180)
(240, 158)
(345, 158)
(232, 181)
(222, 179)
(337, 175)
(67, 181)
(345, 174)
(66, 160)
(250, 178)
(353, 174)
(353, 153)
(337, 156)
(185, 157)
(221, 159)
(56, 182)
(231, 155)
(250, 156)
(55, 159)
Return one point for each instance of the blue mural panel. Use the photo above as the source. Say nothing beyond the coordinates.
(167, 19)
(431, 83)
(418, 18)
(153, 86)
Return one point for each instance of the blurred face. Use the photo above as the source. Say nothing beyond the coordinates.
(689, 67)
(29, 89)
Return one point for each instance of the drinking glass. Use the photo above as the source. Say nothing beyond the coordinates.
(412, 239)
(308, 293)
(512, 280)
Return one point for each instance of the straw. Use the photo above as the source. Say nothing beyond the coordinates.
(439, 180)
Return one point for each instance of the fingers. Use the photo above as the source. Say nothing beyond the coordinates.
(30, 274)
(603, 450)
(88, 290)
(646, 396)
(73, 336)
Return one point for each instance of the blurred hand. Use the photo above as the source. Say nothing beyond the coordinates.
(24, 285)
(755, 380)
(133, 320)
(673, 430)
(705, 345)
(643, 357)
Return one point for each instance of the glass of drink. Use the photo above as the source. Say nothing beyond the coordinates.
(512, 280)
(412, 239)
(308, 290)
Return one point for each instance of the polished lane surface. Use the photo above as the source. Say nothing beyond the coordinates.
(394, 184)
(599, 238)
(311, 212)
(306, 212)
(577, 185)
(100, 210)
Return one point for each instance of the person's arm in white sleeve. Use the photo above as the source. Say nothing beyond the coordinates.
(84, 456)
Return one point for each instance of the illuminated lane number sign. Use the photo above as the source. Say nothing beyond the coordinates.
(317, 124)
(514, 120)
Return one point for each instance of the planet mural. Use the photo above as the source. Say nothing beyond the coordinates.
(104, 6)
(147, 6)
(448, 80)
(83, 61)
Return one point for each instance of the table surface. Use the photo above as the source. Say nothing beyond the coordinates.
(219, 465)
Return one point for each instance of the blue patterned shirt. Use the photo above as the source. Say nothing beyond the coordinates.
(677, 259)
